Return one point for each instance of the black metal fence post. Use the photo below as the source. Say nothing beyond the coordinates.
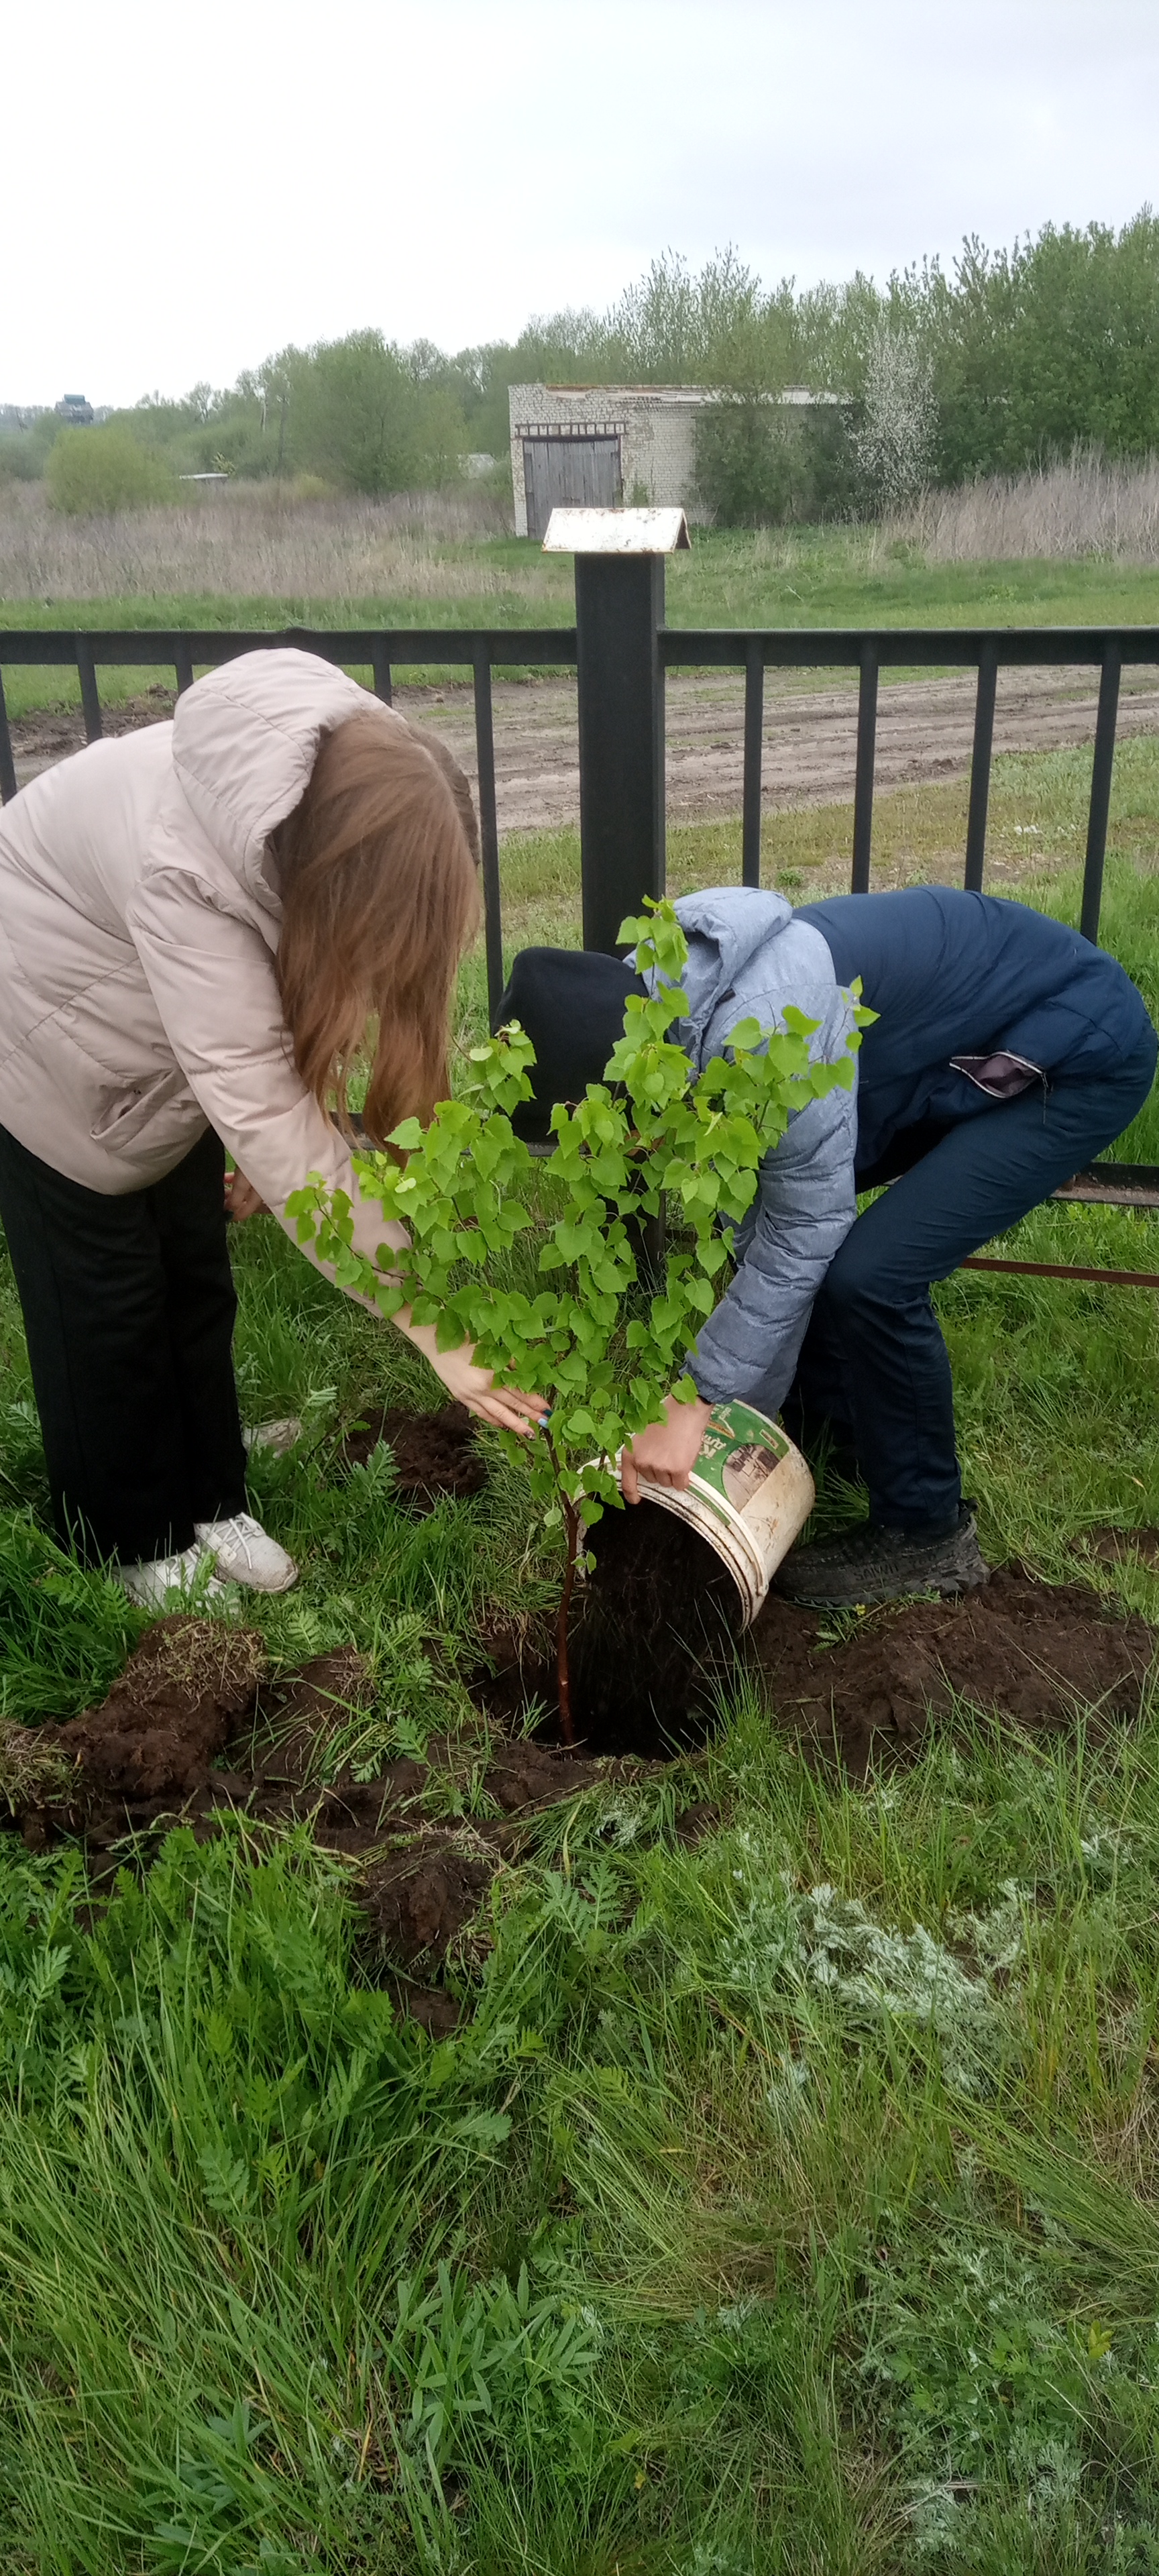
(1101, 768)
(7, 763)
(89, 693)
(866, 753)
(488, 833)
(754, 719)
(980, 766)
(619, 602)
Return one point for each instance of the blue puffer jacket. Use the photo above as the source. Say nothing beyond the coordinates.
(955, 974)
(950, 974)
(749, 957)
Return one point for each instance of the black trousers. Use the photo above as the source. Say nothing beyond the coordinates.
(874, 1371)
(129, 1310)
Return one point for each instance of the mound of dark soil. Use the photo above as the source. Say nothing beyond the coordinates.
(151, 1742)
(435, 1453)
(1023, 1650)
(293, 1715)
(421, 1895)
(657, 1631)
(189, 1731)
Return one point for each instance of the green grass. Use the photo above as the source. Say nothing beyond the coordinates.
(793, 578)
(784, 2206)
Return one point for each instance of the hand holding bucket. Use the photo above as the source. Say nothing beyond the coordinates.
(750, 1494)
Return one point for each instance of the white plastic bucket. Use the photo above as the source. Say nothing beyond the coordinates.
(751, 1492)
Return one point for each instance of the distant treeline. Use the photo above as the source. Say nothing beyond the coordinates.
(1009, 361)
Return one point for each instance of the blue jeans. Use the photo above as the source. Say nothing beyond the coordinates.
(874, 1368)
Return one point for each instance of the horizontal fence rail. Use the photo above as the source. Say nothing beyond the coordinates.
(1066, 1270)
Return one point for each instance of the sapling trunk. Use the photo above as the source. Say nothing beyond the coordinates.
(563, 1673)
(574, 1527)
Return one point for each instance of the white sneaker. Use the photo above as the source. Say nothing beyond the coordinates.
(245, 1553)
(277, 1437)
(158, 1579)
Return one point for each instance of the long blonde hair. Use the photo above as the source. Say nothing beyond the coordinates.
(379, 900)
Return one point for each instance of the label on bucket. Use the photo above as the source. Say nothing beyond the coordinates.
(740, 1449)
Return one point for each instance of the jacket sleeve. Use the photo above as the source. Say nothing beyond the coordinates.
(212, 978)
(805, 1205)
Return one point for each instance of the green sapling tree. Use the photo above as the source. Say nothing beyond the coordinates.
(599, 1343)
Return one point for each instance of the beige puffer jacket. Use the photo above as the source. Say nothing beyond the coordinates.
(139, 920)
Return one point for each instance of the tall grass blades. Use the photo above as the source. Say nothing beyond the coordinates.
(256, 541)
(1089, 505)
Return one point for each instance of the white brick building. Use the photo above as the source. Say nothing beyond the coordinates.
(605, 444)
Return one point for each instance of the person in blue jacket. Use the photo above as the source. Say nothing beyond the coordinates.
(1005, 1053)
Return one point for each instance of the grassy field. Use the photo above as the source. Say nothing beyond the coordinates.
(784, 2205)
(792, 578)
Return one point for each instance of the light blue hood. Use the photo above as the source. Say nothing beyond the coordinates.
(726, 929)
(750, 957)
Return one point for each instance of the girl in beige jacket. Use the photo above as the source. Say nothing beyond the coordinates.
(198, 925)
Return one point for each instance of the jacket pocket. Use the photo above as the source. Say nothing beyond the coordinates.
(125, 1113)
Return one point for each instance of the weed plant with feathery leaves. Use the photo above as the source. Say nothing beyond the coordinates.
(653, 1127)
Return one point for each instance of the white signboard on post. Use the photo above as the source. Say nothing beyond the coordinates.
(616, 532)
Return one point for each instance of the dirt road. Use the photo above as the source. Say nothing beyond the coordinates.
(924, 732)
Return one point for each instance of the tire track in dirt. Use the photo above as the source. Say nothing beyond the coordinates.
(925, 733)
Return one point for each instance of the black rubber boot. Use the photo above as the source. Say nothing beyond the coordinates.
(874, 1564)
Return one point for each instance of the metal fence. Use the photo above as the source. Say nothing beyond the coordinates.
(985, 650)
(621, 648)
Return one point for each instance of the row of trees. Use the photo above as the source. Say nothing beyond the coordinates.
(355, 415)
(1011, 357)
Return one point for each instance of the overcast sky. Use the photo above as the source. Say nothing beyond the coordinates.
(189, 187)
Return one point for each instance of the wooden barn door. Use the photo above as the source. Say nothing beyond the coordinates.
(581, 472)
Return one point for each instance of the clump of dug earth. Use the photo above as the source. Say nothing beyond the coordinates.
(657, 1638)
(147, 1749)
(197, 1727)
(436, 1455)
(1030, 1653)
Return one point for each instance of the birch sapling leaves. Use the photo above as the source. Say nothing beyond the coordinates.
(601, 1344)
